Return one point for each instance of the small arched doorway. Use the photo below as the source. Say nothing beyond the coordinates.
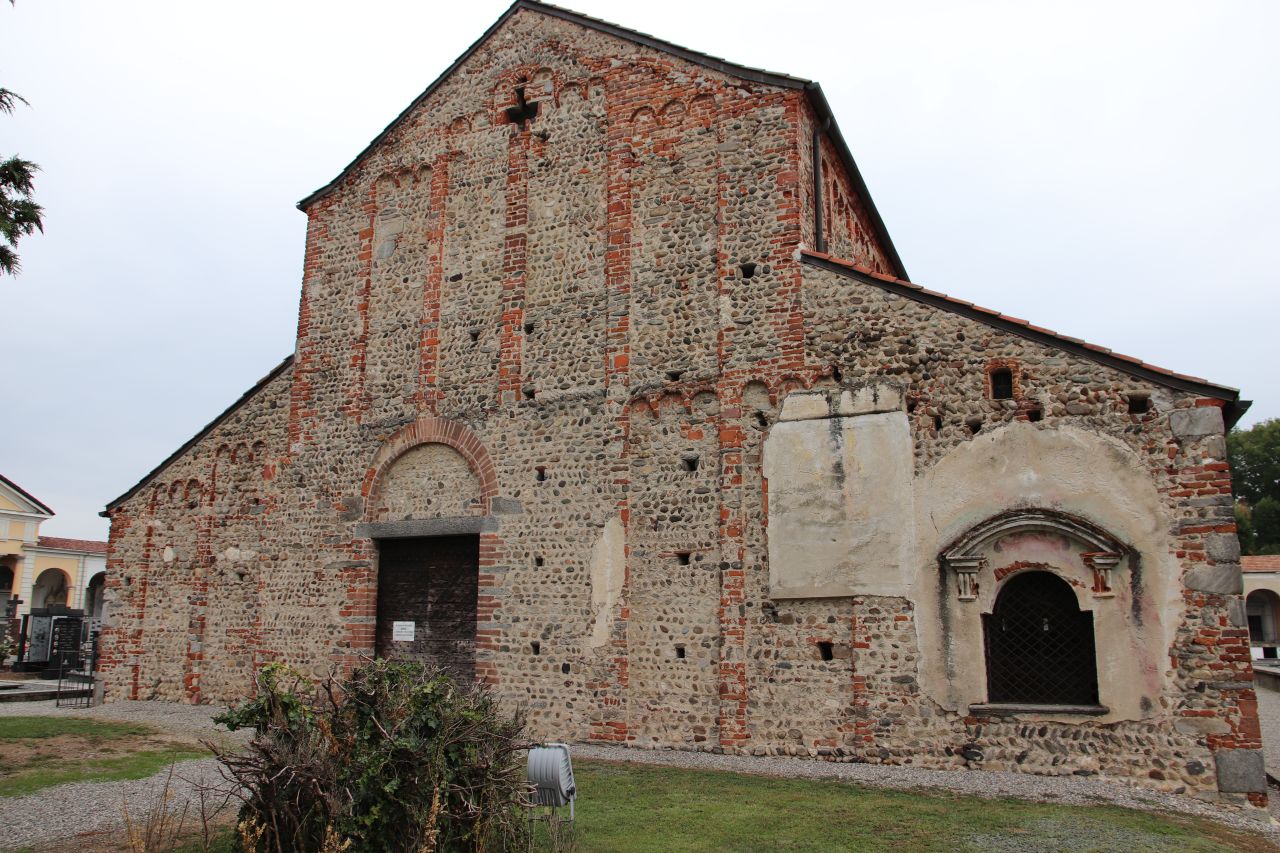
(1039, 644)
(50, 589)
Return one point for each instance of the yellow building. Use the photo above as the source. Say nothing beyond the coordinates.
(44, 571)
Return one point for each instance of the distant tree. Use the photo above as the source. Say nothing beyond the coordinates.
(19, 215)
(1254, 454)
(1266, 526)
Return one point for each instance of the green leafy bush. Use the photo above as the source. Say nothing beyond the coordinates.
(397, 757)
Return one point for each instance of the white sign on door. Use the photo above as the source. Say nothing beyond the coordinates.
(402, 632)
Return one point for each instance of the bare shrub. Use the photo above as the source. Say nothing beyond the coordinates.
(396, 758)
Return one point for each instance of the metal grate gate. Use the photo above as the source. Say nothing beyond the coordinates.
(1040, 645)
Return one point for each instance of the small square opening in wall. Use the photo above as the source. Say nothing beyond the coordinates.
(689, 462)
(1139, 404)
(937, 423)
(540, 473)
(683, 557)
(1035, 415)
(974, 425)
(564, 667)
(762, 420)
(679, 652)
(529, 393)
(539, 562)
(536, 648)
(1002, 384)
(674, 375)
(825, 650)
(748, 270)
(475, 335)
(528, 328)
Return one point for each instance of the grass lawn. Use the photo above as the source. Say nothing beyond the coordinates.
(632, 807)
(38, 752)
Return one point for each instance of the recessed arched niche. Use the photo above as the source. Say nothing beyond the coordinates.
(428, 481)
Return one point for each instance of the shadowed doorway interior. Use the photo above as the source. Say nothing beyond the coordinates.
(427, 602)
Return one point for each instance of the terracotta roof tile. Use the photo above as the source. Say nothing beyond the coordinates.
(1267, 563)
(93, 546)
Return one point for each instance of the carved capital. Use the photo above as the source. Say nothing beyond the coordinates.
(966, 569)
(1102, 563)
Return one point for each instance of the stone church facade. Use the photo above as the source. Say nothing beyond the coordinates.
(611, 392)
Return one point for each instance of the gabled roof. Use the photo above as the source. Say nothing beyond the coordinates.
(755, 75)
(1232, 411)
(91, 546)
(208, 428)
(23, 496)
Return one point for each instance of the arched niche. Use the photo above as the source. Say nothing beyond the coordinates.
(52, 588)
(428, 481)
(94, 597)
(432, 450)
(1040, 646)
(1262, 607)
(1081, 505)
(8, 578)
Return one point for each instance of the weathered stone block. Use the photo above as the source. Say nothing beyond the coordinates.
(1241, 771)
(1223, 579)
(1196, 422)
(799, 407)
(1202, 725)
(506, 506)
(869, 399)
(1222, 547)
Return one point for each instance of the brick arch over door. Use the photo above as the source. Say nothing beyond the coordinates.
(432, 430)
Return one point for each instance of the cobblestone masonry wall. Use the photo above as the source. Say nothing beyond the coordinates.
(585, 322)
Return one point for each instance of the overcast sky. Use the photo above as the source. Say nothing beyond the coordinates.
(1105, 169)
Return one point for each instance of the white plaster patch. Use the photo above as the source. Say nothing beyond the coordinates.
(608, 569)
(840, 506)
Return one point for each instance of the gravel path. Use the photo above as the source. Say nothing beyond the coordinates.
(66, 811)
(83, 808)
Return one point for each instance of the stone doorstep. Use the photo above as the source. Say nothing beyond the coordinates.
(1002, 709)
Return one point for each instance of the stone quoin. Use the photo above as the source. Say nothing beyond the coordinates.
(607, 367)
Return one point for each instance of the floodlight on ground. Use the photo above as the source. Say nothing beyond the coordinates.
(551, 774)
(551, 777)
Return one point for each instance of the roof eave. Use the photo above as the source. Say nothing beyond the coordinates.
(1233, 406)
